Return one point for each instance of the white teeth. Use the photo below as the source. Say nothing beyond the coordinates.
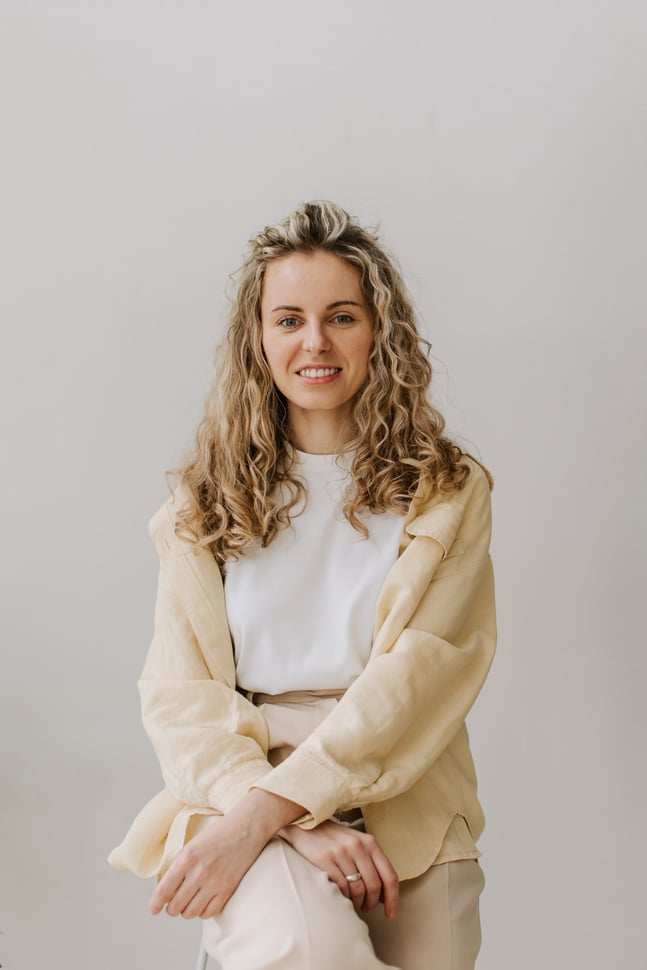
(319, 371)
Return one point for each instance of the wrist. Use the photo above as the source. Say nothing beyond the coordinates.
(286, 833)
(266, 814)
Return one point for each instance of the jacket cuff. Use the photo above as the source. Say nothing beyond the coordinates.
(311, 784)
(235, 783)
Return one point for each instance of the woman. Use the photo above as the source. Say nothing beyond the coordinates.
(324, 622)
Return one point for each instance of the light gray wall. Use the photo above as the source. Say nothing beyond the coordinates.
(503, 148)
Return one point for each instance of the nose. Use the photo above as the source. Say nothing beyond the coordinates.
(315, 340)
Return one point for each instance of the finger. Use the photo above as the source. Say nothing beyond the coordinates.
(213, 907)
(390, 884)
(380, 878)
(198, 904)
(356, 887)
(182, 897)
(371, 880)
(337, 876)
(166, 889)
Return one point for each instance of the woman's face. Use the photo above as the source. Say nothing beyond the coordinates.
(317, 333)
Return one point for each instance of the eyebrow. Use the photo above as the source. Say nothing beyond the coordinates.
(331, 306)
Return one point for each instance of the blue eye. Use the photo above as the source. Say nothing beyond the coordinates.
(289, 323)
(343, 318)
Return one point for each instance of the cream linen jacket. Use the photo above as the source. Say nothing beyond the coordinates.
(395, 745)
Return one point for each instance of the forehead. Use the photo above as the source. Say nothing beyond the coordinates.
(310, 277)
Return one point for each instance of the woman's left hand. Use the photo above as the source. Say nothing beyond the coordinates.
(342, 851)
(210, 867)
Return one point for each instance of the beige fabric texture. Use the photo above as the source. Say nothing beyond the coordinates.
(299, 924)
(286, 915)
(438, 925)
(293, 716)
(395, 744)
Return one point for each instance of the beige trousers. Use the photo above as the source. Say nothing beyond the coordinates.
(287, 915)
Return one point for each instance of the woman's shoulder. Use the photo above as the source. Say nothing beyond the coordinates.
(478, 480)
(440, 514)
(161, 526)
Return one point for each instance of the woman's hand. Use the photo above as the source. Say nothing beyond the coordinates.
(343, 851)
(210, 867)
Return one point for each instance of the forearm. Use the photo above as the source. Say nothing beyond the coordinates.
(210, 867)
(263, 814)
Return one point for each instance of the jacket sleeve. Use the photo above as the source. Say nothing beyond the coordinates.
(211, 742)
(411, 700)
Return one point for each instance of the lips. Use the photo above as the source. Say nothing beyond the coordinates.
(313, 372)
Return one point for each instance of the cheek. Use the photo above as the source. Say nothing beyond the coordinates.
(268, 348)
(275, 356)
(363, 352)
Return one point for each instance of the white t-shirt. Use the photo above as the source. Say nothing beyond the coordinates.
(302, 611)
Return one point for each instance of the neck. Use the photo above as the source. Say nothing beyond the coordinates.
(319, 433)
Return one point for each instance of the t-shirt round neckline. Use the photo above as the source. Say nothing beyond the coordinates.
(311, 460)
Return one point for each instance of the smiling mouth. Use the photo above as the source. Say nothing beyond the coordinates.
(318, 371)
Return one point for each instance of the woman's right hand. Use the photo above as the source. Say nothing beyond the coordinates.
(341, 851)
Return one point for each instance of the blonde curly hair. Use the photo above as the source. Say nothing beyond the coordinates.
(242, 446)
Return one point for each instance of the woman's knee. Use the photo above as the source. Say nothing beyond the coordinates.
(286, 915)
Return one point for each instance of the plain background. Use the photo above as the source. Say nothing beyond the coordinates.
(502, 147)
